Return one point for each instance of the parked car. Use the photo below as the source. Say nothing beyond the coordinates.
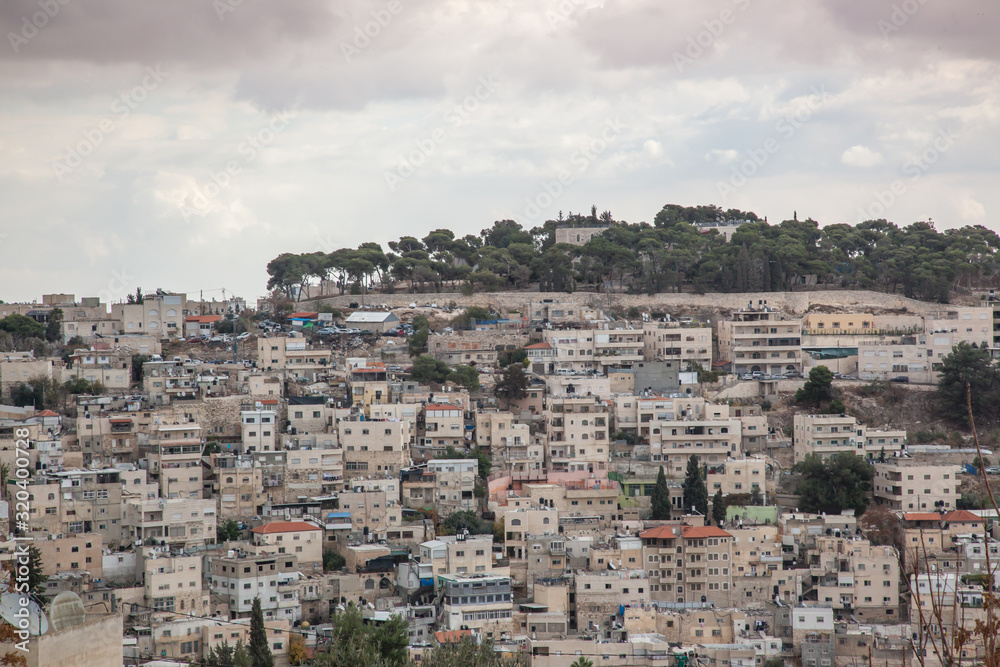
(243, 336)
(900, 378)
(327, 331)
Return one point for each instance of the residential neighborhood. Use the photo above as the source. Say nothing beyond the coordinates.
(555, 478)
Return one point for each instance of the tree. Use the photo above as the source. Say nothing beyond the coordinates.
(296, 648)
(333, 561)
(660, 498)
(20, 326)
(467, 376)
(718, 508)
(470, 314)
(583, 662)
(241, 655)
(838, 483)
(418, 340)
(507, 357)
(53, 329)
(137, 361)
(967, 364)
(428, 369)
(359, 644)
(881, 526)
(695, 491)
(468, 653)
(221, 656)
(260, 649)
(512, 385)
(36, 576)
(817, 388)
(468, 520)
(227, 531)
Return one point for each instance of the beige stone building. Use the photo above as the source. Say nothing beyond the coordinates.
(71, 553)
(238, 486)
(299, 538)
(259, 426)
(447, 485)
(180, 521)
(175, 459)
(856, 577)
(237, 580)
(685, 344)
(439, 426)
(713, 441)
(913, 487)
(689, 564)
(374, 508)
(293, 356)
(578, 434)
(825, 435)
(374, 448)
(172, 583)
(158, 315)
(760, 339)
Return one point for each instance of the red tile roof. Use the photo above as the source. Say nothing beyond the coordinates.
(47, 413)
(921, 516)
(539, 346)
(442, 406)
(205, 319)
(703, 531)
(962, 516)
(303, 315)
(659, 533)
(284, 527)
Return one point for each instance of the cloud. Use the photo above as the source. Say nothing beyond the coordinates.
(370, 86)
(861, 156)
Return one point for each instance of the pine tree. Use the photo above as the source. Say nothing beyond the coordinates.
(718, 508)
(695, 492)
(260, 651)
(660, 499)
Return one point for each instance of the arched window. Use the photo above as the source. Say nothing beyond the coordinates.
(545, 521)
(229, 480)
(515, 522)
(369, 584)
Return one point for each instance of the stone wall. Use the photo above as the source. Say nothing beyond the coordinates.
(793, 303)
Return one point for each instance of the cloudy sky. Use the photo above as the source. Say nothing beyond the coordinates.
(182, 144)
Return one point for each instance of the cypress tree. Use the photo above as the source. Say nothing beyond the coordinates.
(695, 491)
(660, 499)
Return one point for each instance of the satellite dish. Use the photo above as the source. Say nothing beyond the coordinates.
(67, 611)
(11, 611)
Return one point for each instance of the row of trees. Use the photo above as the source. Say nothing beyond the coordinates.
(667, 255)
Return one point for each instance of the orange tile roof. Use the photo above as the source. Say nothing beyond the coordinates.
(47, 413)
(921, 516)
(205, 319)
(305, 315)
(539, 346)
(659, 533)
(451, 636)
(284, 527)
(962, 515)
(703, 531)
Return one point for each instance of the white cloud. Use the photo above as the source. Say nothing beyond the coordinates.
(722, 156)
(861, 156)
(324, 176)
